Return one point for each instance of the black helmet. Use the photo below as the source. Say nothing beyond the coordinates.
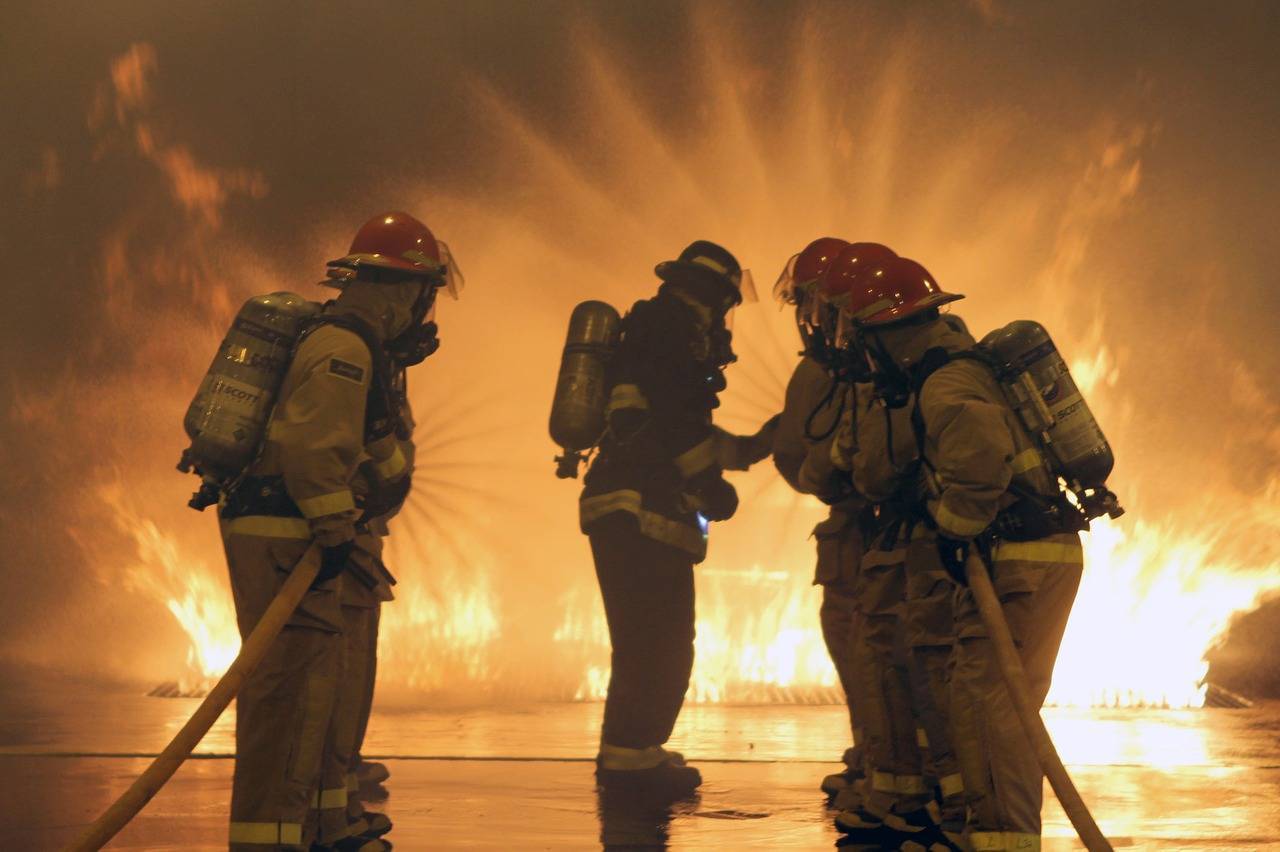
(706, 269)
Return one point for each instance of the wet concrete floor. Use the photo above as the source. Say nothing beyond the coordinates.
(521, 777)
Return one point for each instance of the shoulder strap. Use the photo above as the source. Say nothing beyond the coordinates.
(382, 413)
(934, 360)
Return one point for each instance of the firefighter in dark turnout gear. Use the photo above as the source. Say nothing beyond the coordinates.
(646, 503)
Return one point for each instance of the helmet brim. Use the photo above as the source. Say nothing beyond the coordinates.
(897, 313)
(382, 261)
(744, 286)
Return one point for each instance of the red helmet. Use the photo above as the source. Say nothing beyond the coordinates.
(838, 281)
(805, 268)
(396, 240)
(890, 290)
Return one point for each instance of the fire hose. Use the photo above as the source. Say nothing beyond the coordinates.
(1015, 679)
(255, 647)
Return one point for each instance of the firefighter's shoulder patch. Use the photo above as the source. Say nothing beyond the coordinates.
(346, 370)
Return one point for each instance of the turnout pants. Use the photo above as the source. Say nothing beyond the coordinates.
(283, 712)
(892, 753)
(930, 637)
(839, 552)
(338, 801)
(339, 807)
(367, 687)
(648, 595)
(1036, 582)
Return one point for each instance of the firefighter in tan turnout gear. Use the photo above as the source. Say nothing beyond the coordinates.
(333, 467)
(815, 399)
(981, 484)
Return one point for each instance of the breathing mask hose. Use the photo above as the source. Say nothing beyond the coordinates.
(825, 403)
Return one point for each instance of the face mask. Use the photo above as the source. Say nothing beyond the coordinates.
(722, 354)
(415, 345)
(421, 339)
(892, 383)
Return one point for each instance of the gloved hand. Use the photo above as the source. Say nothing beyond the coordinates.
(333, 561)
(717, 500)
(954, 552)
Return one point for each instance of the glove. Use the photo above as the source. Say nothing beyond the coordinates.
(717, 500)
(333, 561)
(953, 553)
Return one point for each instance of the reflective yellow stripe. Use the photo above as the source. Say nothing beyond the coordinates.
(658, 528)
(958, 525)
(269, 526)
(711, 264)
(882, 782)
(652, 525)
(593, 508)
(922, 738)
(1000, 841)
(266, 833)
(327, 504)
(618, 757)
(1038, 551)
(333, 797)
(951, 785)
(693, 461)
(626, 396)
(909, 785)
(393, 465)
(1026, 460)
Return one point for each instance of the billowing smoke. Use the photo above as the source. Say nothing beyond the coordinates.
(1042, 170)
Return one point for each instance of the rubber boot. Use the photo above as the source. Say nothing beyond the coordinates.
(654, 771)
(371, 773)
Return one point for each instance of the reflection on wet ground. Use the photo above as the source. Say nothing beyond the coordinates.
(521, 777)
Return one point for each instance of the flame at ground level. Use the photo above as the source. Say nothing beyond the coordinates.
(1150, 606)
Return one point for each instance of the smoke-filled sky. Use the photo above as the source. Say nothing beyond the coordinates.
(1109, 168)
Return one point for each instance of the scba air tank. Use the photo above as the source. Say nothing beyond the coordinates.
(578, 409)
(228, 416)
(1049, 403)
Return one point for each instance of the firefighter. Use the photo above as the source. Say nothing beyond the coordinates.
(888, 474)
(907, 747)
(647, 500)
(814, 401)
(979, 466)
(338, 412)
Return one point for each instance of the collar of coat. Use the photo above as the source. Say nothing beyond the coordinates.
(908, 344)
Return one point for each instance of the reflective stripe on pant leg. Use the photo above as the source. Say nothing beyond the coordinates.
(266, 833)
(951, 785)
(331, 805)
(1000, 841)
(622, 758)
